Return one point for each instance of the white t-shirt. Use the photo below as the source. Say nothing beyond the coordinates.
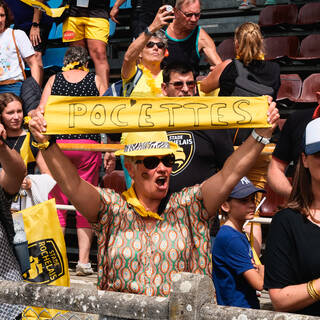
(9, 63)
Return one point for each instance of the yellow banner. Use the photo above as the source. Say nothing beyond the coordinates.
(52, 12)
(75, 115)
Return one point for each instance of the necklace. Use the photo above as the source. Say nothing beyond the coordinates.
(17, 141)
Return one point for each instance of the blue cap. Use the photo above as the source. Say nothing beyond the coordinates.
(243, 189)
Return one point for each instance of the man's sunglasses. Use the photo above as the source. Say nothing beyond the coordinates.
(153, 162)
(151, 44)
(190, 14)
(179, 84)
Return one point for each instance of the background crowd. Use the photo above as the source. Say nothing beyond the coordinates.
(178, 182)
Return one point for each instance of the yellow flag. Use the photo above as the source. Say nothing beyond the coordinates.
(25, 151)
(52, 12)
(73, 115)
(47, 250)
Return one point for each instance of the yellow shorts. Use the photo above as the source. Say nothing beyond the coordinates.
(79, 28)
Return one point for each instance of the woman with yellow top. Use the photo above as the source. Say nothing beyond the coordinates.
(144, 56)
(248, 43)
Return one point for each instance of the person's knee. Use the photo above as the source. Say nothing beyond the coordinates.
(99, 53)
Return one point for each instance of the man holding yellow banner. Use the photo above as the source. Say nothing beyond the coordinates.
(145, 236)
(11, 176)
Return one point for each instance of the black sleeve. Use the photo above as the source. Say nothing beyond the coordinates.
(283, 149)
(280, 260)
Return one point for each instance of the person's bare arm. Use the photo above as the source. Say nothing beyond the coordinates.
(207, 46)
(34, 34)
(100, 85)
(277, 179)
(44, 97)
(255, 277)
(34, 67)
(13, 169)
(84, 196)
(132, 54)
(115, 10)
(292, 298)
(211, 81)
(217, 188)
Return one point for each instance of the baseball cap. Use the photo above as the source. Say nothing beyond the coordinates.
(312, 137)
(243, 189)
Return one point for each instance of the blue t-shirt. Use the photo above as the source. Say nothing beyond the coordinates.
(231, 257)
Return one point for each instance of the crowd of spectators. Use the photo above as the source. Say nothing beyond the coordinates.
(177, 181)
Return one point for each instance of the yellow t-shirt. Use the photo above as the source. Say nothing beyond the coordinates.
(147, 84)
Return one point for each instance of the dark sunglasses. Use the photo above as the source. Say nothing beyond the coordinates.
(190, 14)
(151, 44)
(153, 162)
(179, 84)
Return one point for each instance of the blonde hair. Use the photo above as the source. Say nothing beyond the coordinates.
(250, 42)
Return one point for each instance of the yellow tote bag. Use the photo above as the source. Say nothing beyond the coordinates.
(47, 251)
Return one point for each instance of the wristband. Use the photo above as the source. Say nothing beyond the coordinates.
(44, 145)
(259, 138)
(35, 24)
(147, 32)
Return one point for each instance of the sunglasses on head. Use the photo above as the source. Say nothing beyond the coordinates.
(151, 44)
(179, 84)
(153, 162)
(190, 14)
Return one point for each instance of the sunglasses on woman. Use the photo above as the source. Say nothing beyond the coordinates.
(151, 44)
(153, 162)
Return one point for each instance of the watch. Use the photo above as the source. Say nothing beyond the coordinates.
(259, 138)
(147, 32)
(35, 24)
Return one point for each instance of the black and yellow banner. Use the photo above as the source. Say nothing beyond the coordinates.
(52, 12)
(75, 115)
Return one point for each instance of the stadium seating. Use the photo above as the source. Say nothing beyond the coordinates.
(309, 14)
(115, 181)
(310, 86)
(226, 49)
(309, 48)
(290, 90)
(279, 15)
(280, 48)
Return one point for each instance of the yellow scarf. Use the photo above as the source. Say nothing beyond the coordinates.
(132, 199)
(150, 80)
(25, 151)
(72, 65)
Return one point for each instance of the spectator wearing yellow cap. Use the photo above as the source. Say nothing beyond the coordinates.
(146, 235)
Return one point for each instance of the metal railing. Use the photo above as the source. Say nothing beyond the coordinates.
(191, 298)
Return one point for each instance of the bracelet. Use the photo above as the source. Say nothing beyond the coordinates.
(259, 138)
(312, 291)
(26, 119)
(44, 145)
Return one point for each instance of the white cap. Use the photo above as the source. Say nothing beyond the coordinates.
(312, 137)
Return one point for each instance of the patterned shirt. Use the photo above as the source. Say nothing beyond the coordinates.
(132, 260)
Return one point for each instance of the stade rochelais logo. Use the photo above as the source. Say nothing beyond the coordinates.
(185, 140)
(46, 262)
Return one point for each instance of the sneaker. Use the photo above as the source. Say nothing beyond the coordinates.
(83, 269)
(246, 5)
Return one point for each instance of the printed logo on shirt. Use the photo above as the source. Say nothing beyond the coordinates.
(46, 262)
(185, 140)
(68, 35)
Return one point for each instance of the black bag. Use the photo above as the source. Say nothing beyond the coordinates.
(247, 85)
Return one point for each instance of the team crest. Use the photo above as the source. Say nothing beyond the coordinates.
(46, 262)
(185, 140)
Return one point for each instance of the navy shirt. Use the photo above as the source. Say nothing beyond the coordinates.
(231, 257)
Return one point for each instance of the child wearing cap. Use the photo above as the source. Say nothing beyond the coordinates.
(235, 275)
